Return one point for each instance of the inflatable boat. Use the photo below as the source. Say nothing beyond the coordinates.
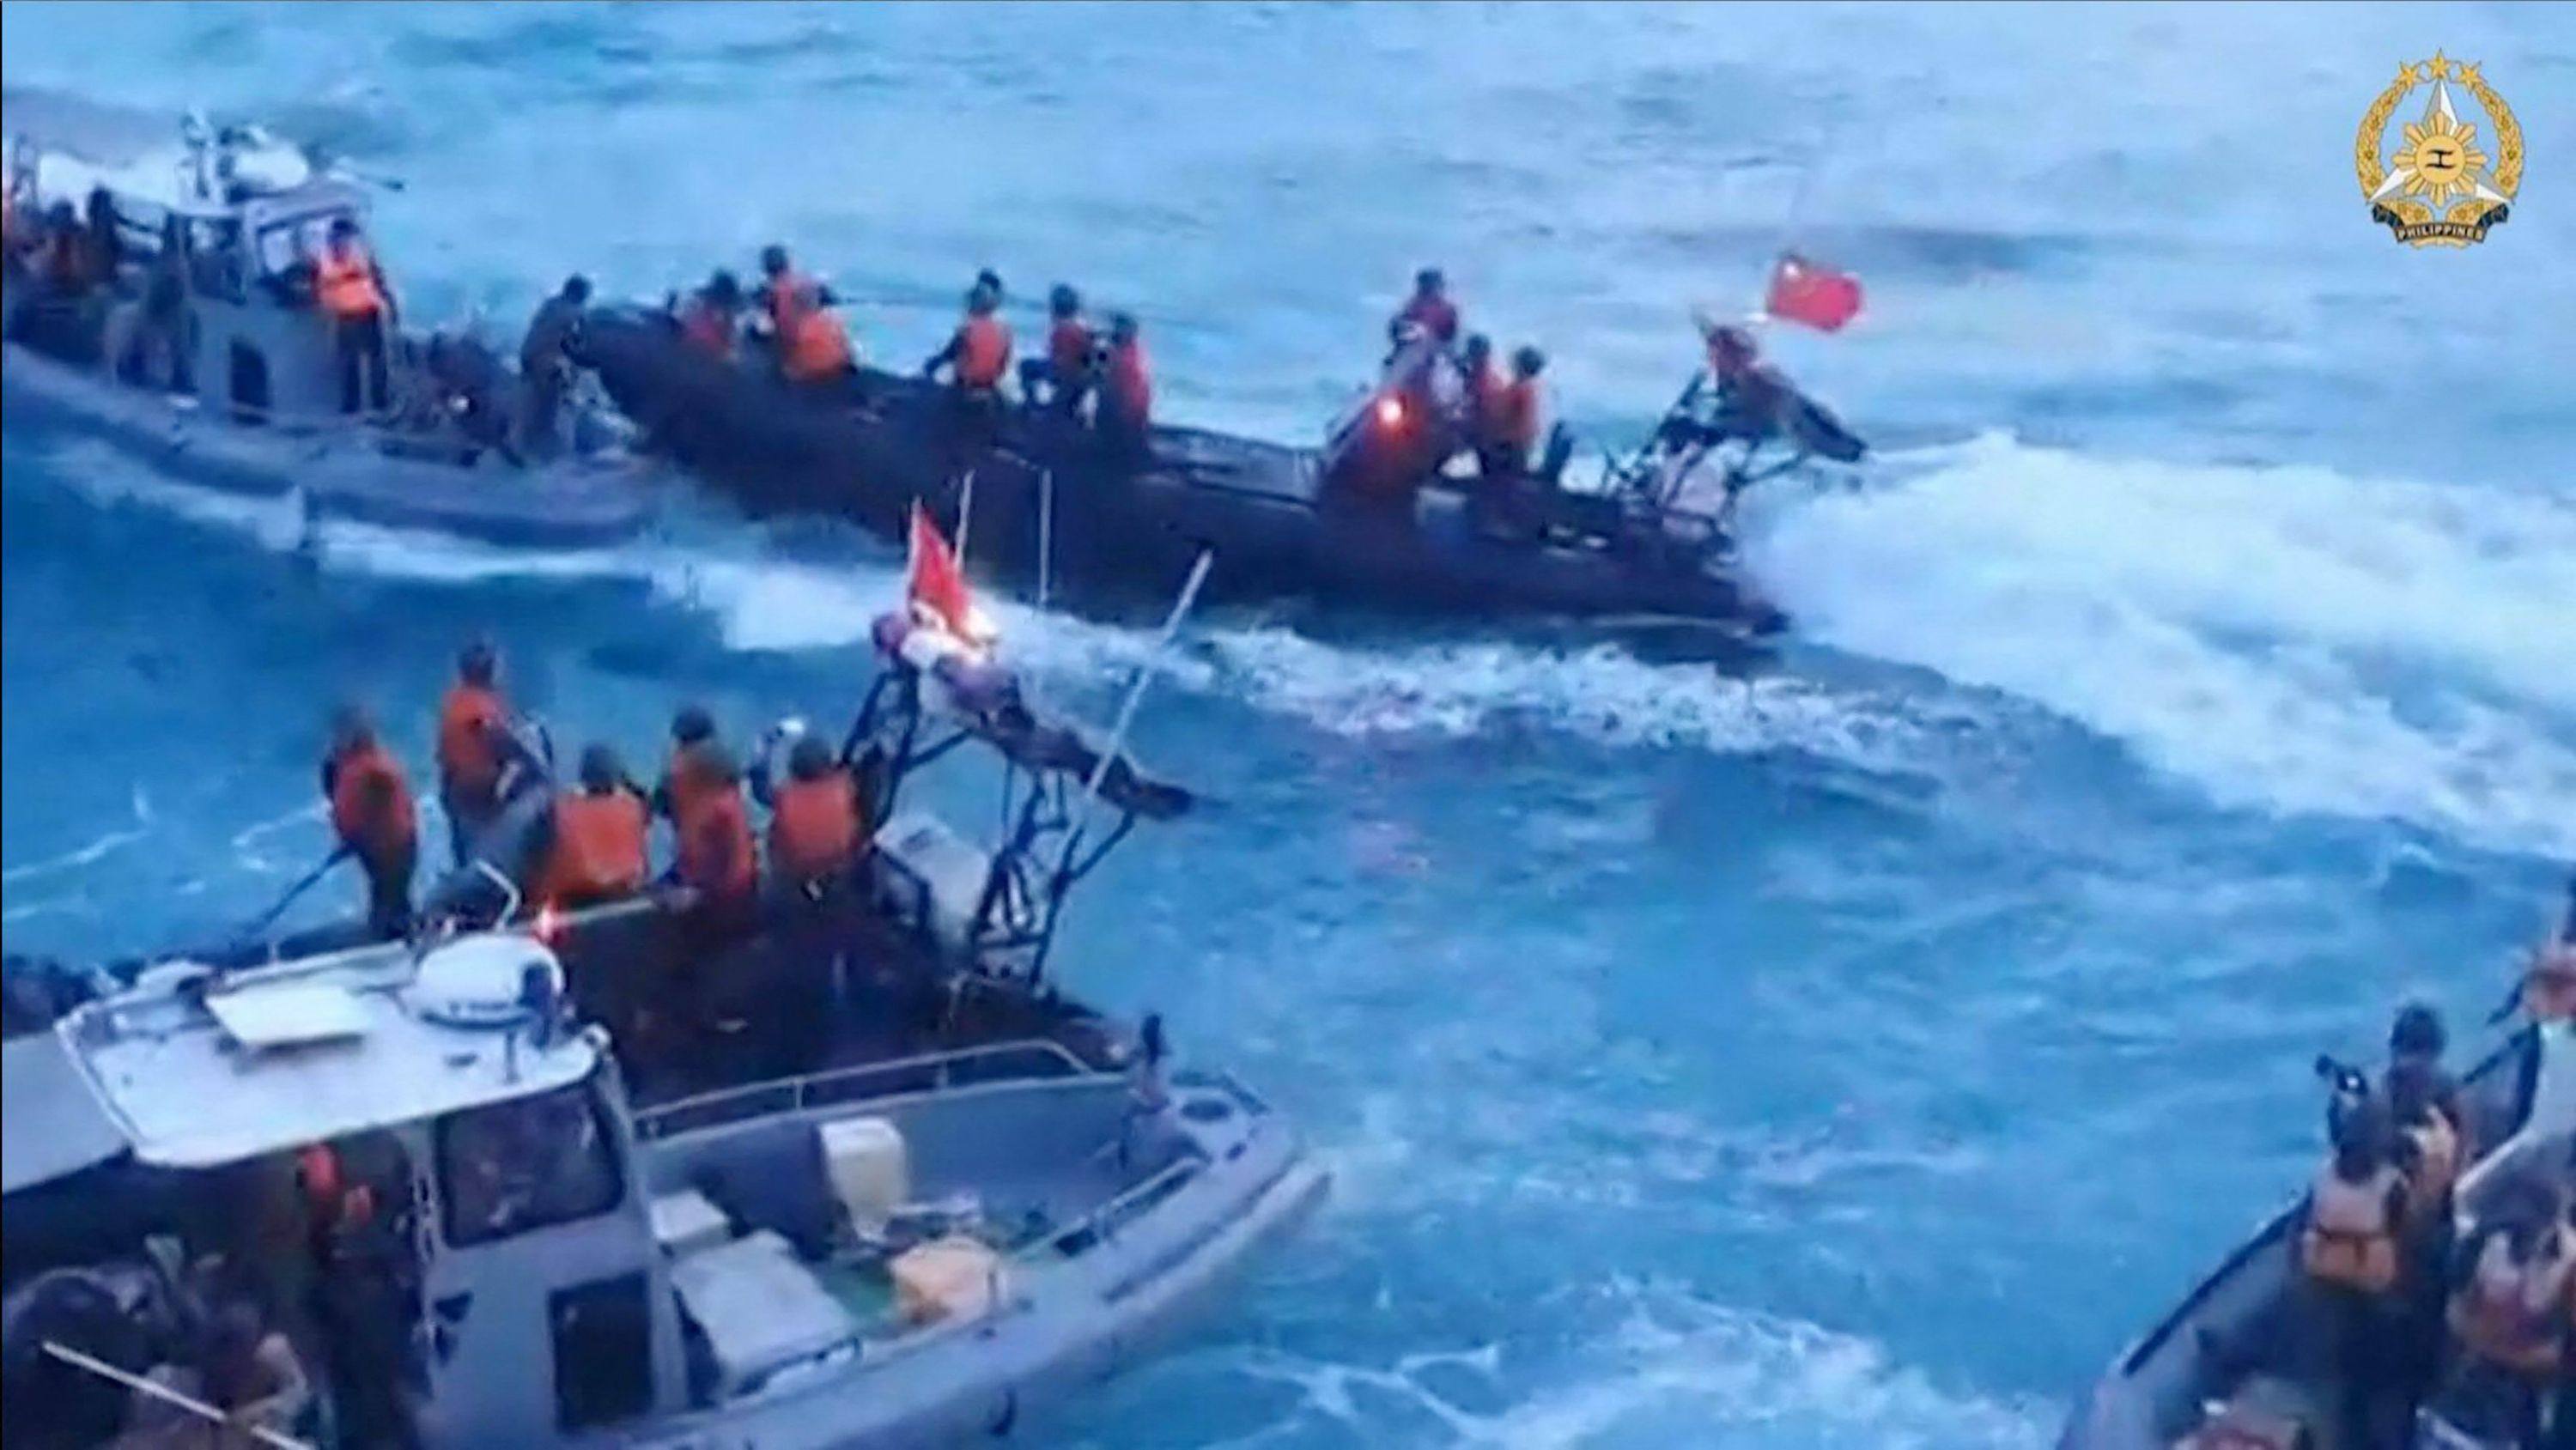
(2243, 1360)
(189, 341)
(1099, 521)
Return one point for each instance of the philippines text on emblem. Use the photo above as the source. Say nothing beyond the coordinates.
(2443, 177)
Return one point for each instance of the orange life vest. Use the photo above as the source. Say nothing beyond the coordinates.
(1068, 349)
(817, 346)
(983, 352)
(344, 282)
(784, 295)
(1437, 316)
(1131, 384)
(371, 825)
(598, 850)
(2349, 1241)
(716, 852)
(814, 827)
(707, 328)
(1512, 414)
(467, 718)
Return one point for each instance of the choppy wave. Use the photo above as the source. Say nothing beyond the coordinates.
(2287, 638)
(1669, 1367)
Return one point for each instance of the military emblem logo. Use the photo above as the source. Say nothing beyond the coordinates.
(2441, 179)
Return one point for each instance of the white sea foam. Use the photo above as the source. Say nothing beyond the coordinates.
(2286, 638)
(1670, 1366)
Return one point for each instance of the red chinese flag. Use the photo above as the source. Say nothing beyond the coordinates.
(1820, 297)
(935, 583)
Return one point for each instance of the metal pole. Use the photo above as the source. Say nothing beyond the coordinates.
(1046, 533)
(1118, 739)
(165, 1394)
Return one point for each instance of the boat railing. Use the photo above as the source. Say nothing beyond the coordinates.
(1030, 1059)
(1102, 1223)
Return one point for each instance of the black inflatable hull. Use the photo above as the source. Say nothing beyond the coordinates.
(1126, 526)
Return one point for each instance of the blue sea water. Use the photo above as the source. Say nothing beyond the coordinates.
(1850, 1054)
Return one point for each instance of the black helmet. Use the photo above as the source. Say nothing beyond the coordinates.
(981, 299)
(991, 280)
(1122, 327)
(773, 259)
(1429, 279)
(810, 758)
(478, 662)
(1528, 361)
(724, 289)
(1063, 301)
(692, 724)
(601, 770)
(1477, 346)
(2417, 1032)
(576, 288)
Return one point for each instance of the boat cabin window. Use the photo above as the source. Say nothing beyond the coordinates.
(214, 257)
(514, 1167)
(299, 239)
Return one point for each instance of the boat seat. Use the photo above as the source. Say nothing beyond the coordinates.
(761, 1310)
(772, 1178)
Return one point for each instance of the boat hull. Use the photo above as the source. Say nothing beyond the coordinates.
(1104, 526)
(339, 474)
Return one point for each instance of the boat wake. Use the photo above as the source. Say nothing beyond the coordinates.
(2282, 638)
(2287, 638)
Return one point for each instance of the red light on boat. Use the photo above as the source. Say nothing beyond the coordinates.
(1390, 411)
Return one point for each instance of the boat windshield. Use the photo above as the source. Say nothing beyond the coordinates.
(284, 243)
(510, 1168)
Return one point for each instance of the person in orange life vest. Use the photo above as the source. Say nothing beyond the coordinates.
(350, 289)
(709, 318)
(471, 722)
(691, 725)
(372, 814)
(978, 354)
(816, 826)
(781, 285)
(716, 855)
(1126, 413)
(2348, 1249)
(1066, 371)
(813, 347)
(597, 849)
(1430, 309)
(1507, 425)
